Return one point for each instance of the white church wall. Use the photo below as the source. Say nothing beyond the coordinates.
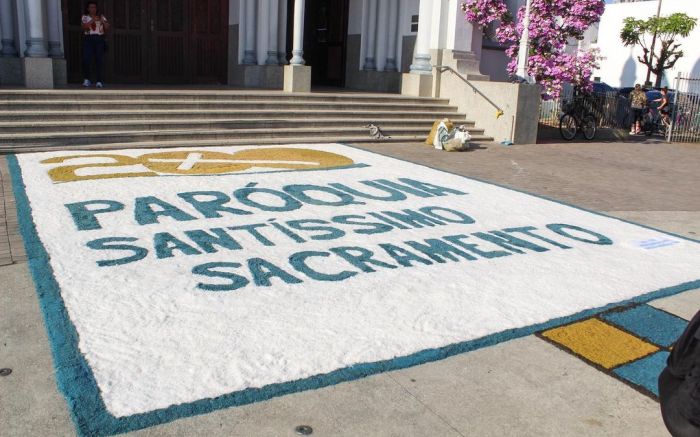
(407, 35)
(355, 17)
(494, 63)
(620, 67)
(492, 54)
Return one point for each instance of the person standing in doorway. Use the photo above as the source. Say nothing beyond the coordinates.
(638, 101)
(94, 27)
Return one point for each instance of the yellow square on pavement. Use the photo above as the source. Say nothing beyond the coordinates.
(600, 343)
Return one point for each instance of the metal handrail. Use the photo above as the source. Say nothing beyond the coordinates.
(443, 68)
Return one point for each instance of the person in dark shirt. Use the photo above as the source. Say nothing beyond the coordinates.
(679, 384)
(663, 106)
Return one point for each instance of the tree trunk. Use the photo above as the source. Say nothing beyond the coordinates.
(661, 63)
(659, 76)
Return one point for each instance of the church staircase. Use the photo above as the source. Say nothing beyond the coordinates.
(40, 120)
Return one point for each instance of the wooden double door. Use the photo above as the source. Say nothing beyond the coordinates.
(325, 30)
(155, 41)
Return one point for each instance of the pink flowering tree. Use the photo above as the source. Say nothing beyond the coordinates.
(552, 24)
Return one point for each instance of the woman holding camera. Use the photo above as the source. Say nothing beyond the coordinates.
(94, 27)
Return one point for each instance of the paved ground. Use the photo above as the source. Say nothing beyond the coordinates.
(522, 387)
(11, 247)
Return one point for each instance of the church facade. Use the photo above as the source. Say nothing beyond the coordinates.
(358, 44)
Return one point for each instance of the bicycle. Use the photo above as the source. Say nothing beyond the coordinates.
(653, 122)
(577, 118)
(687, 121)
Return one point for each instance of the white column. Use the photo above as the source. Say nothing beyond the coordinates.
(263, 24)
(370, 63)
(282, 33)
(298, 43)
(36, 43)
(421, 58)
(382, 33)
(249, 54)
(393, 35)
(53, 9)
(272, 36)
(8, 28)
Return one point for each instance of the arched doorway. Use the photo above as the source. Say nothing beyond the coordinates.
(155, 41)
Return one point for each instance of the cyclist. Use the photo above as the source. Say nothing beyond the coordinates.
(663, 106)
(638, 101)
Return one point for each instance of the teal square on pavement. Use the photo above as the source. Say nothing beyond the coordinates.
(647, 322)
(645, 372)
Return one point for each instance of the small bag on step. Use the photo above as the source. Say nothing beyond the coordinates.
(452, 140)
(433, 132)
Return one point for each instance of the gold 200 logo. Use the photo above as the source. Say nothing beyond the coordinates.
(191, 162)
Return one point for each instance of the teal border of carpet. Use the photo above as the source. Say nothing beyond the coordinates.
(77, 382)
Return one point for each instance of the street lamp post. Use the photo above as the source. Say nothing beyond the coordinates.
(524, 45)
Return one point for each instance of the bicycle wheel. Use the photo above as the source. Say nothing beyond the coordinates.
(588, 126)
(649, 123)
(568, 127)
(649, 127)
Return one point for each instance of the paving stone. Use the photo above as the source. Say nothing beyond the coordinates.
(590, 175)
(527, 387)
(16, 245)
(683, 305)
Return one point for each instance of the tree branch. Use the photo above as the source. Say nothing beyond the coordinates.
(643, 61)
(670, 63)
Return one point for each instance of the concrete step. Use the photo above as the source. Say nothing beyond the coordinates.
(70, 139)
(347, 139)
(187, 114)
(96, 105)
(92, 127)
(212, 95)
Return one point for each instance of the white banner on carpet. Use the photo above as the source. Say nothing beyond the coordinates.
(194, 273)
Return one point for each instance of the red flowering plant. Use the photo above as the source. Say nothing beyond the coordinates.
(552, 24)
